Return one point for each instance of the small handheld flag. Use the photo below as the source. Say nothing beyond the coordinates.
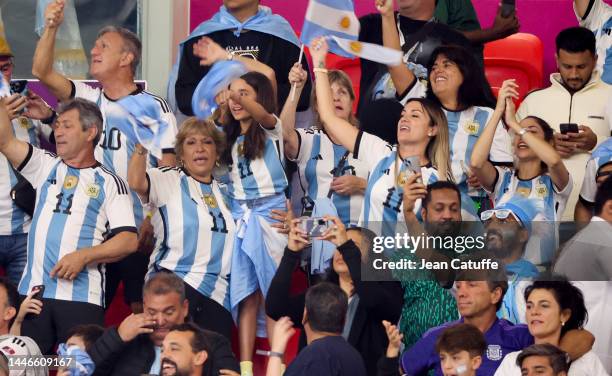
(330, 17)
(218, 78)
(369, 51)
(139, 118)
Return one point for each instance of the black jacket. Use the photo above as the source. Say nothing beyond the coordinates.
(112, 356)
(268, 49)
(378, 301)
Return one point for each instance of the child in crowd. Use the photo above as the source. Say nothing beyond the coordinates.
(80, 339)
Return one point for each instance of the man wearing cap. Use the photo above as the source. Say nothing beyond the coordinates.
(25, 109)
(508, 228)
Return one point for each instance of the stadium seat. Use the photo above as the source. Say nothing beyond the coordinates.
(351, 67)
(519, 56)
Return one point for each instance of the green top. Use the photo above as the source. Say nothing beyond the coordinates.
(426, 303)
(458, 14)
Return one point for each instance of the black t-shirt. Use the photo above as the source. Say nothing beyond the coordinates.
(327, 356)
(273, 51)
(371, 32)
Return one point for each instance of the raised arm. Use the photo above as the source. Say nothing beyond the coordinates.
(479, 161)
(210, 52)
(298, 76)
(257, 111)
(42, 64)
(401, 76)
(545, 151)
(502, 27)
(13, 149)
(338, 128)
(582, 6)
(137, 173)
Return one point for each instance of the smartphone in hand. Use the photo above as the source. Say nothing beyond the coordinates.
(568, 128)
(40, 290)
(508, 7)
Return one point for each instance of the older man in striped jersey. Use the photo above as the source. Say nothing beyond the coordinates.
(114, 59)
(83, 218)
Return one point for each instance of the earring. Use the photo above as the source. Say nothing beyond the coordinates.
(217, 164)
(562, 323)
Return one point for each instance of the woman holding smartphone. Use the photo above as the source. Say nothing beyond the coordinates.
(422, 135)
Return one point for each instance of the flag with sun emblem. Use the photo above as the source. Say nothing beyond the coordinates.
(369, 51)
(139, 118)
(330, 18)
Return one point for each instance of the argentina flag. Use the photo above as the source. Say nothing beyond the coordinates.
(330, 18)
(139, 118)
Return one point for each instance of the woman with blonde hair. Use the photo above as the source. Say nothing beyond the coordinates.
(196, 233)
(422, 134)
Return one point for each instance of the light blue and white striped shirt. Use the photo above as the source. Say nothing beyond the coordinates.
(316, 159)
(114, 150)
(383, 207)
(464, 129)
(13, 220)
(75, 209)
(262, 177)
(544, 239)
(196, 233)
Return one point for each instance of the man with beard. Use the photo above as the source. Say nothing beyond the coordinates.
(135, 347)
(508, 227)
(427, 299)
(184, 351)
(576, 95)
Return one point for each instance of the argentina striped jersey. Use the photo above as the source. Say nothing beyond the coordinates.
(197, 232)
(13, 220)
(316, 159)
(543, 241)
(262, 177)
(464, 129)
(382, 206)
(114, 150)
(75, 210)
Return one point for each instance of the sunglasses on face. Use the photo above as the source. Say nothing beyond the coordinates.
(502, 214)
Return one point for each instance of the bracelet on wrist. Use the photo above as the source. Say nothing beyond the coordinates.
(320, 70)
(270, 353)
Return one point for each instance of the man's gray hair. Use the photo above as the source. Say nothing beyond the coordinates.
(164, 283)
(131, 43)
(89, 114)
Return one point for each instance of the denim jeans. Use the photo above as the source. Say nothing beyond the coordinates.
(13, 255)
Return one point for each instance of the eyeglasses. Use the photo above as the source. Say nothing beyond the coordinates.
(499, 214)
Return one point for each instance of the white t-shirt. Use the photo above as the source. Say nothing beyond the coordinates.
(587, 365)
